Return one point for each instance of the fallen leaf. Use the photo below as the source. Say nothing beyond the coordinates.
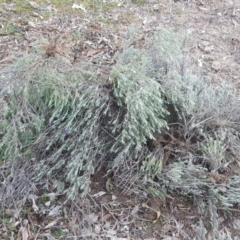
(33, 4)
(34, 205)
(52, 196)
(79, 6)
(47, 204)
(109, 185)
(111, 232)
(54, 211)
(135, 210)
(24, 233)
(17, 223)
(158, 216)
(91, 218)
(51, 224)
(105, 217)
(94, 51)
(99, 194)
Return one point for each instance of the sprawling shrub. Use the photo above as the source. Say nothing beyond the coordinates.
(153, 123)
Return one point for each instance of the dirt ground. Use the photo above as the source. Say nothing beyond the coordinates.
(94, 33)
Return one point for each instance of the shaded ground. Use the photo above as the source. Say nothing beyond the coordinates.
(80, 35)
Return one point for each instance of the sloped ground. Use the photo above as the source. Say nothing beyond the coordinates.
(80, 36)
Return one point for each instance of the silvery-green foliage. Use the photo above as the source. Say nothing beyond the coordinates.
(64, 114)
(78, 122)
(71, 122)
(213, 151)
(151, 167)
(194, 180)
(140, 96)
(190, 95)
(201, 231)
